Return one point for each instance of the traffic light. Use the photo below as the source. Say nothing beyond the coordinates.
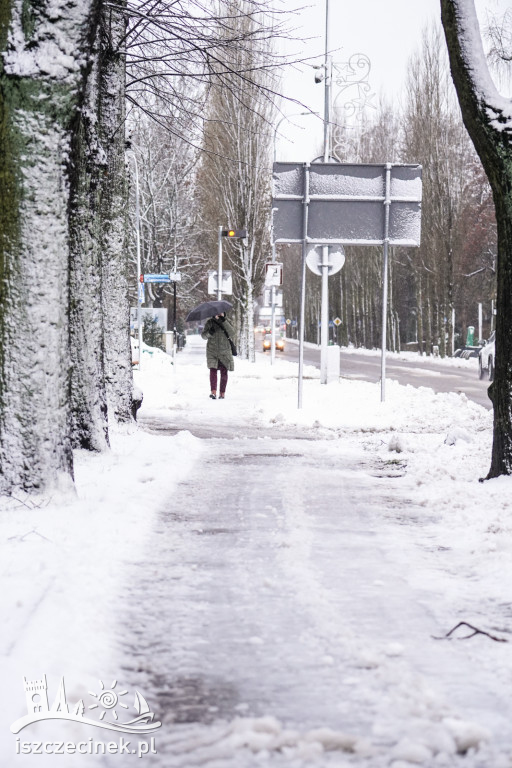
(234, 233)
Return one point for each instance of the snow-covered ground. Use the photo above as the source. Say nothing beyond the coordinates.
(420, 547)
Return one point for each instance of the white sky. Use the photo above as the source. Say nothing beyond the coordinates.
(387, 31)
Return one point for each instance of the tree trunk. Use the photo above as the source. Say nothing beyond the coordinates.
(113, 206)
(427, 325)
(40, 90)
(500, 390)
(88, 395)
(488, 121)
(419, 313)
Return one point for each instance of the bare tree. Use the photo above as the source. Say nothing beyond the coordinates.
(488, 119)
(169, 212)
(202, 43)
(235, 175)
(499, 33)
(83, 270)
(435, 137)
(164, 47)
(453, 268)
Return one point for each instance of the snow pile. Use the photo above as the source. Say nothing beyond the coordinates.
(267, 734)
(62, 560)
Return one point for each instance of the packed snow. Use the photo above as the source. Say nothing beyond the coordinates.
(432, 550)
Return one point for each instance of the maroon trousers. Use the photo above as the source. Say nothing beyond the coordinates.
(223, 378)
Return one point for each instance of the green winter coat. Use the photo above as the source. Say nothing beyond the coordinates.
(218, 348)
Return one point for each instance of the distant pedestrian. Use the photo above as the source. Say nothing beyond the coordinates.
(218, 331)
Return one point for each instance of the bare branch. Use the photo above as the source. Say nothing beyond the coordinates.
(475, 631)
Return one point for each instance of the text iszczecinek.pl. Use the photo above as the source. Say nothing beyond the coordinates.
(89, 747)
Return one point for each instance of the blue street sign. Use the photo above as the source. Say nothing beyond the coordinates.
(157, 279)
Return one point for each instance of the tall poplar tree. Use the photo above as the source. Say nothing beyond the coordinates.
(235, 176)
(43, 54)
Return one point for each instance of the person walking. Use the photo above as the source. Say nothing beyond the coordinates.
(218, 331)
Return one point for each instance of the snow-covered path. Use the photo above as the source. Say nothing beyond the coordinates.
(278, 614)
(271, 579)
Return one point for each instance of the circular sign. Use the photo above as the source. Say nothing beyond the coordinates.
(314, 259)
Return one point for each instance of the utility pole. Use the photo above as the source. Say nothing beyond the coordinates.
(324, 328)
(327, 88)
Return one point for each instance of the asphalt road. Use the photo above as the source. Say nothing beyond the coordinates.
(425, 372)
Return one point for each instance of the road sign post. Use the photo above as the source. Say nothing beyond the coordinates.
(305, 205)
(325, 264)
(347, 204)
(219, 265)
(273, 278)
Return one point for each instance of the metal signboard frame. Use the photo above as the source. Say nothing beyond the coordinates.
(347, 204)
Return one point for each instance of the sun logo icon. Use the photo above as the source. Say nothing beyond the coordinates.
(108, 699)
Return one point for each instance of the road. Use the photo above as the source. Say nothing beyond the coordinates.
(424, 372)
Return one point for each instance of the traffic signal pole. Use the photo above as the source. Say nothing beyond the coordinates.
(219, 266)
(234, 234)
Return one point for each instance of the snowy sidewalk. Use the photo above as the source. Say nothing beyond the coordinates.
(272, 579)
(283, 621)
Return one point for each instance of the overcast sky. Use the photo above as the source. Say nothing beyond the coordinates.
(387, 31)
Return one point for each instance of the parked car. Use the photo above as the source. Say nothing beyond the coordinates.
(486, 358)
(267, 343)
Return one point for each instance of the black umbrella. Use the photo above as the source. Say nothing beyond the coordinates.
(208, 309)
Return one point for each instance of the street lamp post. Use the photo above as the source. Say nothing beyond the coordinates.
(327, 87)
(324, 327)
(329, 155)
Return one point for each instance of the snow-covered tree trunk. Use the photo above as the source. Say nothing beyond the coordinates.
(251, 352)
(113, 213)
(246, 337)
(88, 395)
(43, 54)
(488, 119)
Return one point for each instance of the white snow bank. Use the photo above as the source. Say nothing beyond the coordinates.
(62, 561)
